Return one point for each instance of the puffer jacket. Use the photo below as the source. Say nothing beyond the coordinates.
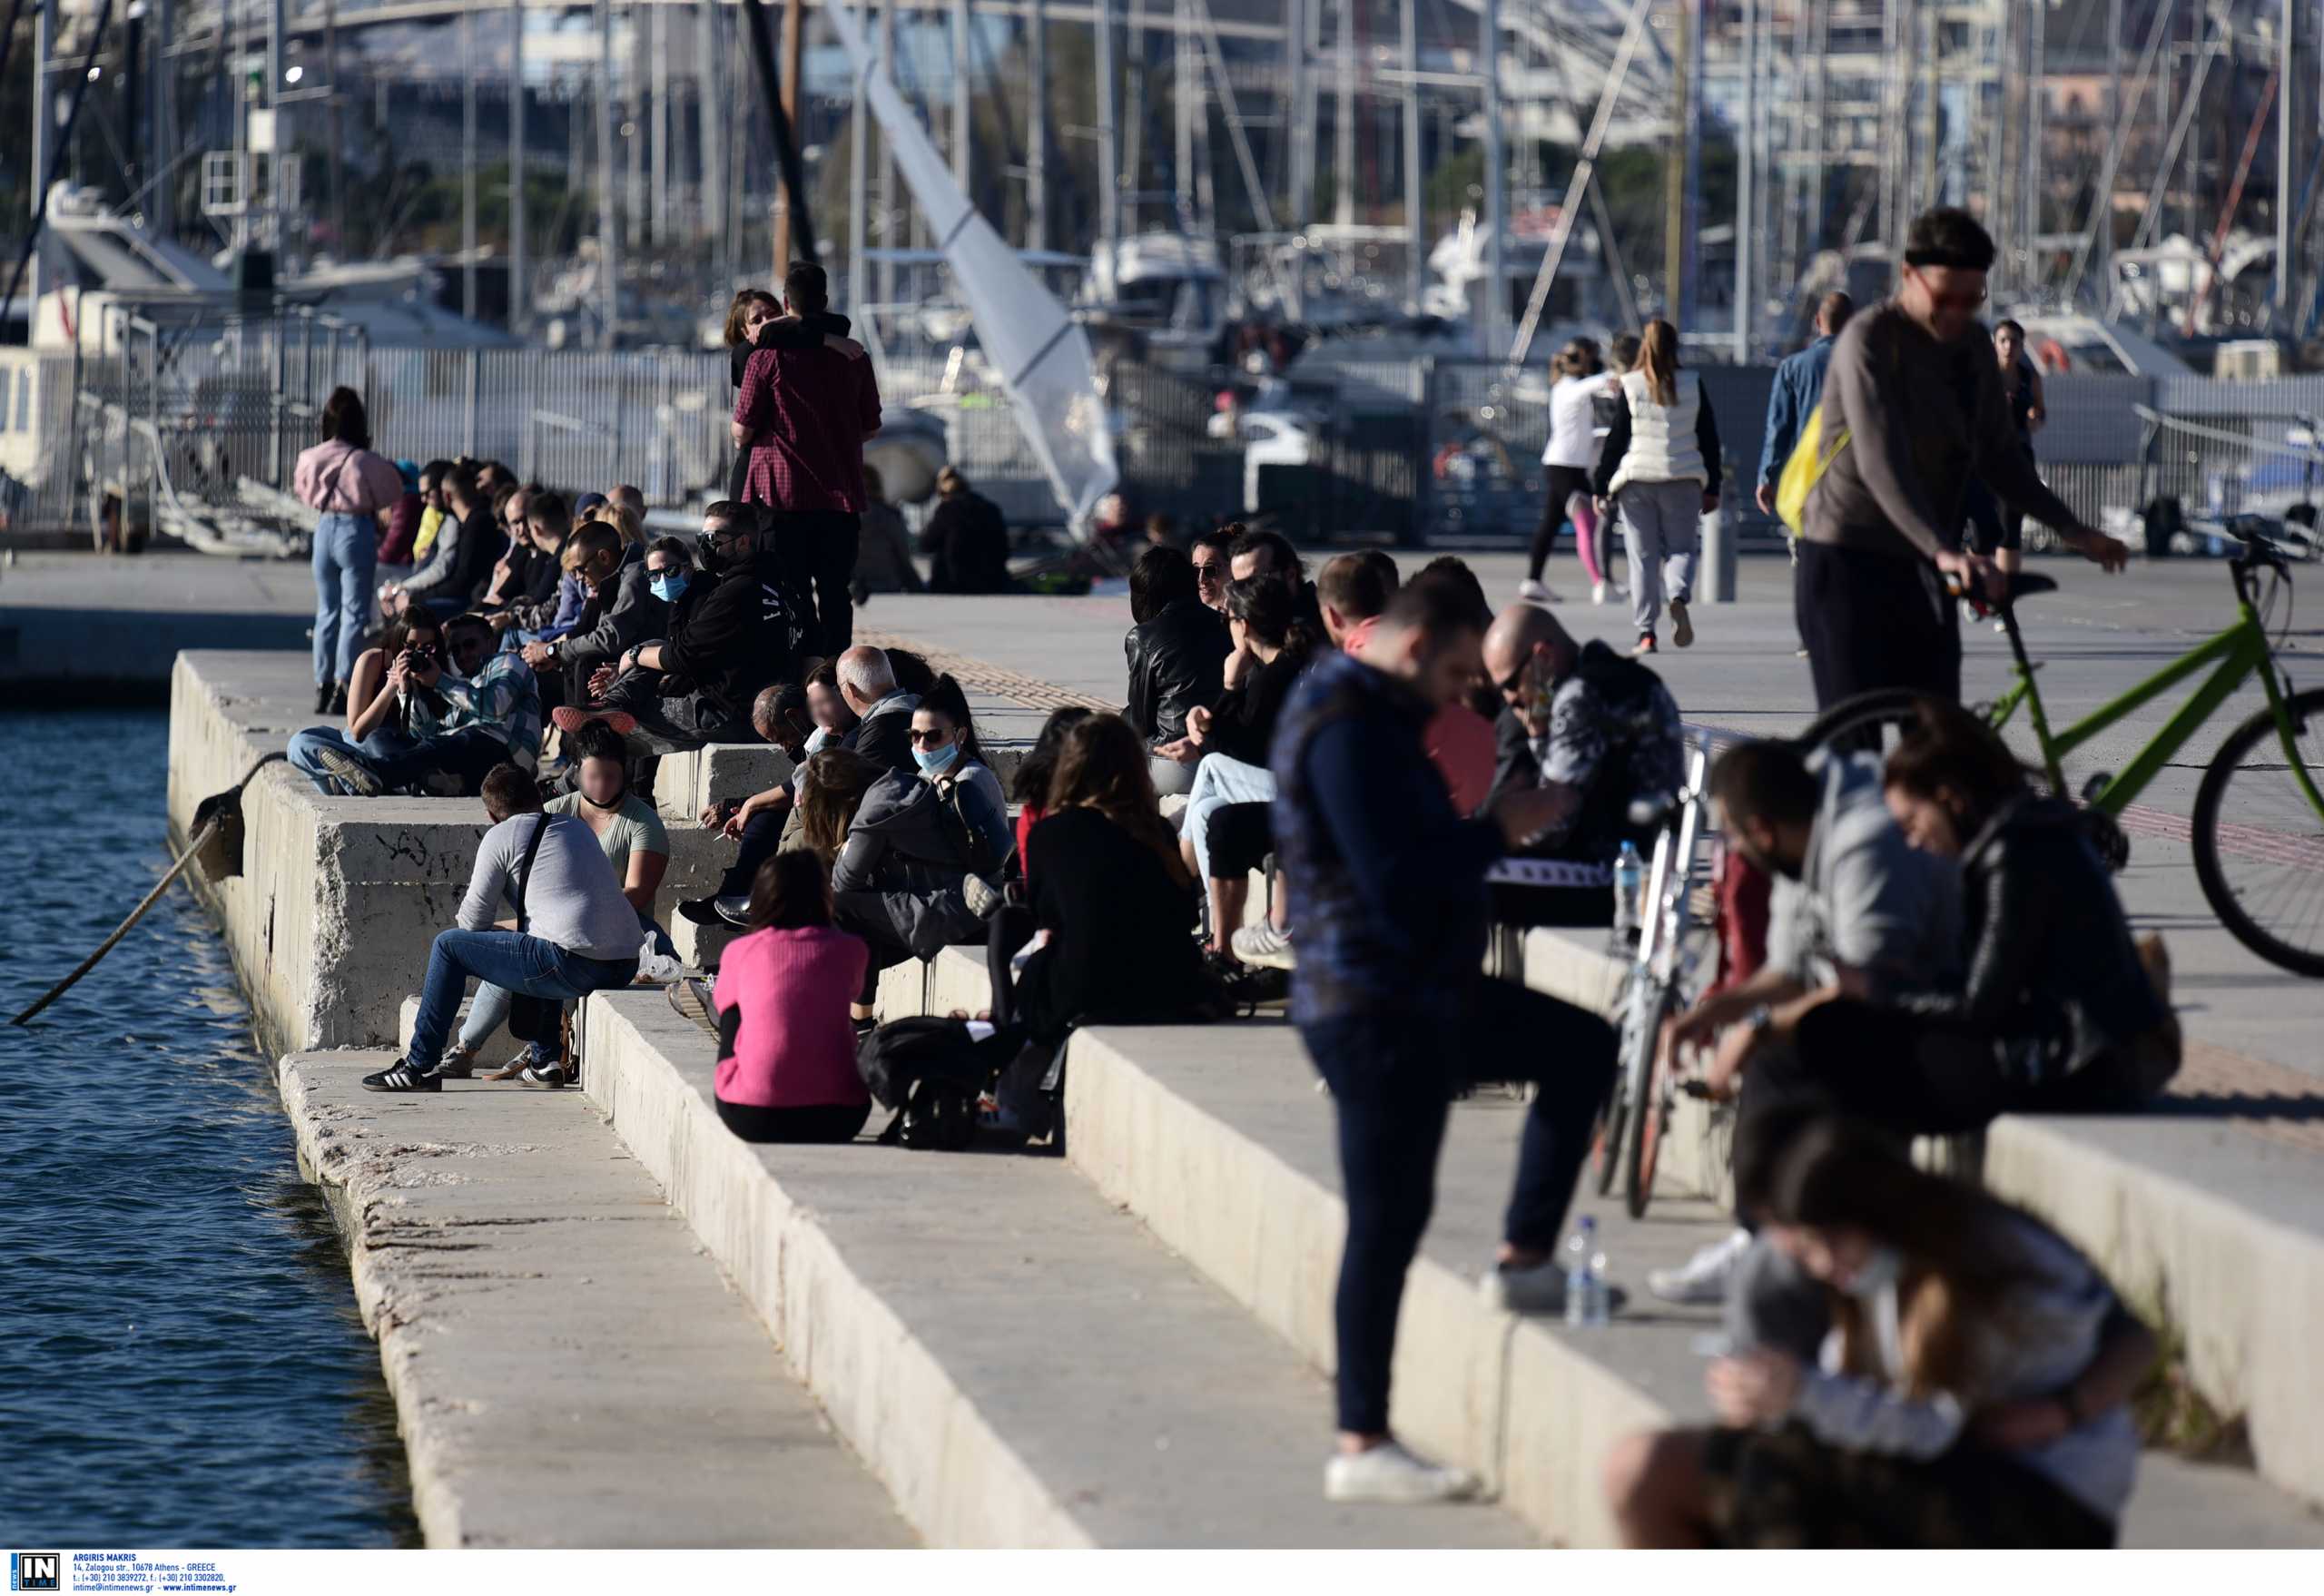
(1177, 662)
(904, 862)
(2052, 975)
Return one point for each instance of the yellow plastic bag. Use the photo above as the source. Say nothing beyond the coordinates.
(1811, 456)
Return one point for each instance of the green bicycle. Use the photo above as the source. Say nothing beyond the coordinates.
(2258, 826)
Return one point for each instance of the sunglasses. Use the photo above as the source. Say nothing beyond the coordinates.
(1213, 572)
(929, 739)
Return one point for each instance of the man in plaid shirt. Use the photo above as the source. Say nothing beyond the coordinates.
(802, 415)
(485, 710)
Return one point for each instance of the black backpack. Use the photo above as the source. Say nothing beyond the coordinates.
(930, 1072)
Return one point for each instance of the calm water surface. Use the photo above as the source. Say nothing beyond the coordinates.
(181, 1360)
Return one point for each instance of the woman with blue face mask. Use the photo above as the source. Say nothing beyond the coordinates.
(1917, 1364)
(944, 747)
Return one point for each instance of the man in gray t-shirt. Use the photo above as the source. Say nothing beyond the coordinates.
(580, 932)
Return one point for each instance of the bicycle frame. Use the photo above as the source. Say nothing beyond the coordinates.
(2237, 653)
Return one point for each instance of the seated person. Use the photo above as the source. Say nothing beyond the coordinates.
(883, 562)
(827, 708)
(458, 558)
(621, 606)
(728, 638)
(533, 601)
(637, 847)
(513, 561)
(831, 789)
(481, 710)
(779, 715)
(786, 1050)
(1231, 741)
(966, 539)
(1176, 650)
(1597, 731)
(1947, 1372)
(1030, 785)
(577, 934)
(1111, 898)
(2058, 1011)
(881, 706)
(376, 722)
(944, 746)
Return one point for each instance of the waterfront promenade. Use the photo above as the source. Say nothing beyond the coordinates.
(1040, 1418)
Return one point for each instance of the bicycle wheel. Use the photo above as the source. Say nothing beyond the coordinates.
(1874, 721)
(1636, 1084)
(1614, 1117)
(2263, 871)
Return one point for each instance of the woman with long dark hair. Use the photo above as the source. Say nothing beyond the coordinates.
(786, 1050)
(352, 490)
(1923, 1365)
(1661, 469)
(1030, 785)
(378, 720)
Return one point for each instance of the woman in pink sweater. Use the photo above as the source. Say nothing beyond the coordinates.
(786, 1048)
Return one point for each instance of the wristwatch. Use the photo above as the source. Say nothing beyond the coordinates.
(1758, 1019)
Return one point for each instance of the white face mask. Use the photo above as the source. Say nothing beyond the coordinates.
(1882, 1269)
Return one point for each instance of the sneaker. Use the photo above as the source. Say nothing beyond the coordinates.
(458, 1063)
(983, 896)
(701, 911)
(357, 778)
(1682, 630)
(570, 718)
(400, 1077)
(1799, 653)
(552, 1076)
(2001, 627)
(1387, 1473)
(1703, 1278)
(1263, 944)
(1539, 1290)
(1535, 593)
(1645, 644)
(1597, 593)
(734, 908)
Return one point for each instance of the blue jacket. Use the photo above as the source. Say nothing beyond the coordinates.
(1387, 881)
(1800, 384)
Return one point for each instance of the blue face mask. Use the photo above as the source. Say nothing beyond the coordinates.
(668, 587)
(938, 762)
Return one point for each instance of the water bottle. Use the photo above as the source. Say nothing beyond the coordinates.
(1584, 1291)
(1630, 879)
(1600, 1307)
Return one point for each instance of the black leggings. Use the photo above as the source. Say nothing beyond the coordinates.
(824, 1122)
(1564, 482)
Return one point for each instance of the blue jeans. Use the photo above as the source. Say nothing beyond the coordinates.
(1393, 1077)
(489, 1012)
(346, 552)
(468, 754)
(509, 959)
(386, 744)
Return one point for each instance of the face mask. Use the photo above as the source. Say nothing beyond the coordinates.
(668, 588)
(706, 554)
(936, 764)
(1881, 1271)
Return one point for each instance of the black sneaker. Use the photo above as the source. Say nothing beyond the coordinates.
(701, 911)
(400, 1077)
(554, 1076)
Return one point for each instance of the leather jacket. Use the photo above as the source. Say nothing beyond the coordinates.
(1177, 661)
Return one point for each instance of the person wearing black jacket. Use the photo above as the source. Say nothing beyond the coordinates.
(460, 557)
(1176, 652)
(2060, 1010)
(967, 539)
(621, 608)
(728, 638)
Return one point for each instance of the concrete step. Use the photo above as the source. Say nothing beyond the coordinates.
(1018, 1360)
(568, 1368)
(2211, 1227)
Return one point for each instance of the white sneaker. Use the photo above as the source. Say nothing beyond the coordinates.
(1704, 1278)
(1387, 1473)
(1263, 944)
(1597, 593)
(1534, 593)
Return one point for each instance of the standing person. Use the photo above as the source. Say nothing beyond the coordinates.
(1660, 467)
(579, 933)
(1176, 650)
(883, 562)
(1948, 1371)
(1569, 456)
(804, 415)
(352, 490)
(786, 1050)
(1917, 387)
(1388, 890)
(966, 538)
(756, 322)
(2001, 529)
(1799, 390)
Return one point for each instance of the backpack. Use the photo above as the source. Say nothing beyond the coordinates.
(930, 1072)
(1811, 456)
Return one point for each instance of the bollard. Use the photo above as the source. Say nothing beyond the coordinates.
(1715, 572)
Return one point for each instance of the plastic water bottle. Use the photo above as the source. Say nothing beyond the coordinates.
(1629, 880)
(1585, 1280)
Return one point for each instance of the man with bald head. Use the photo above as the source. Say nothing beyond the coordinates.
(1594, 728)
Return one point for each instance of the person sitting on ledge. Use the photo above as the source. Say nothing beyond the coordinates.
(482, 710)
(377, 724)
(828, 709)
(779, 715)
(578, 934)
(1597, 731)
(883, 707)
(786, 1049)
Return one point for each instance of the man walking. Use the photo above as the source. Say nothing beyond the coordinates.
(1799, 386)
(803, 415)
(1388, 890)
(1912, 382)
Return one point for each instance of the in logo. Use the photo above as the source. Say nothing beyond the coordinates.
(36, 1570)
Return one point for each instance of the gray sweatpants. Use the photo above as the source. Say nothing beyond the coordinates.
(1661, 532)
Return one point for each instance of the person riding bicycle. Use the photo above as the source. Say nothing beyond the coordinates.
(1600, 732)
(2058, 1011)
(1855, 907)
